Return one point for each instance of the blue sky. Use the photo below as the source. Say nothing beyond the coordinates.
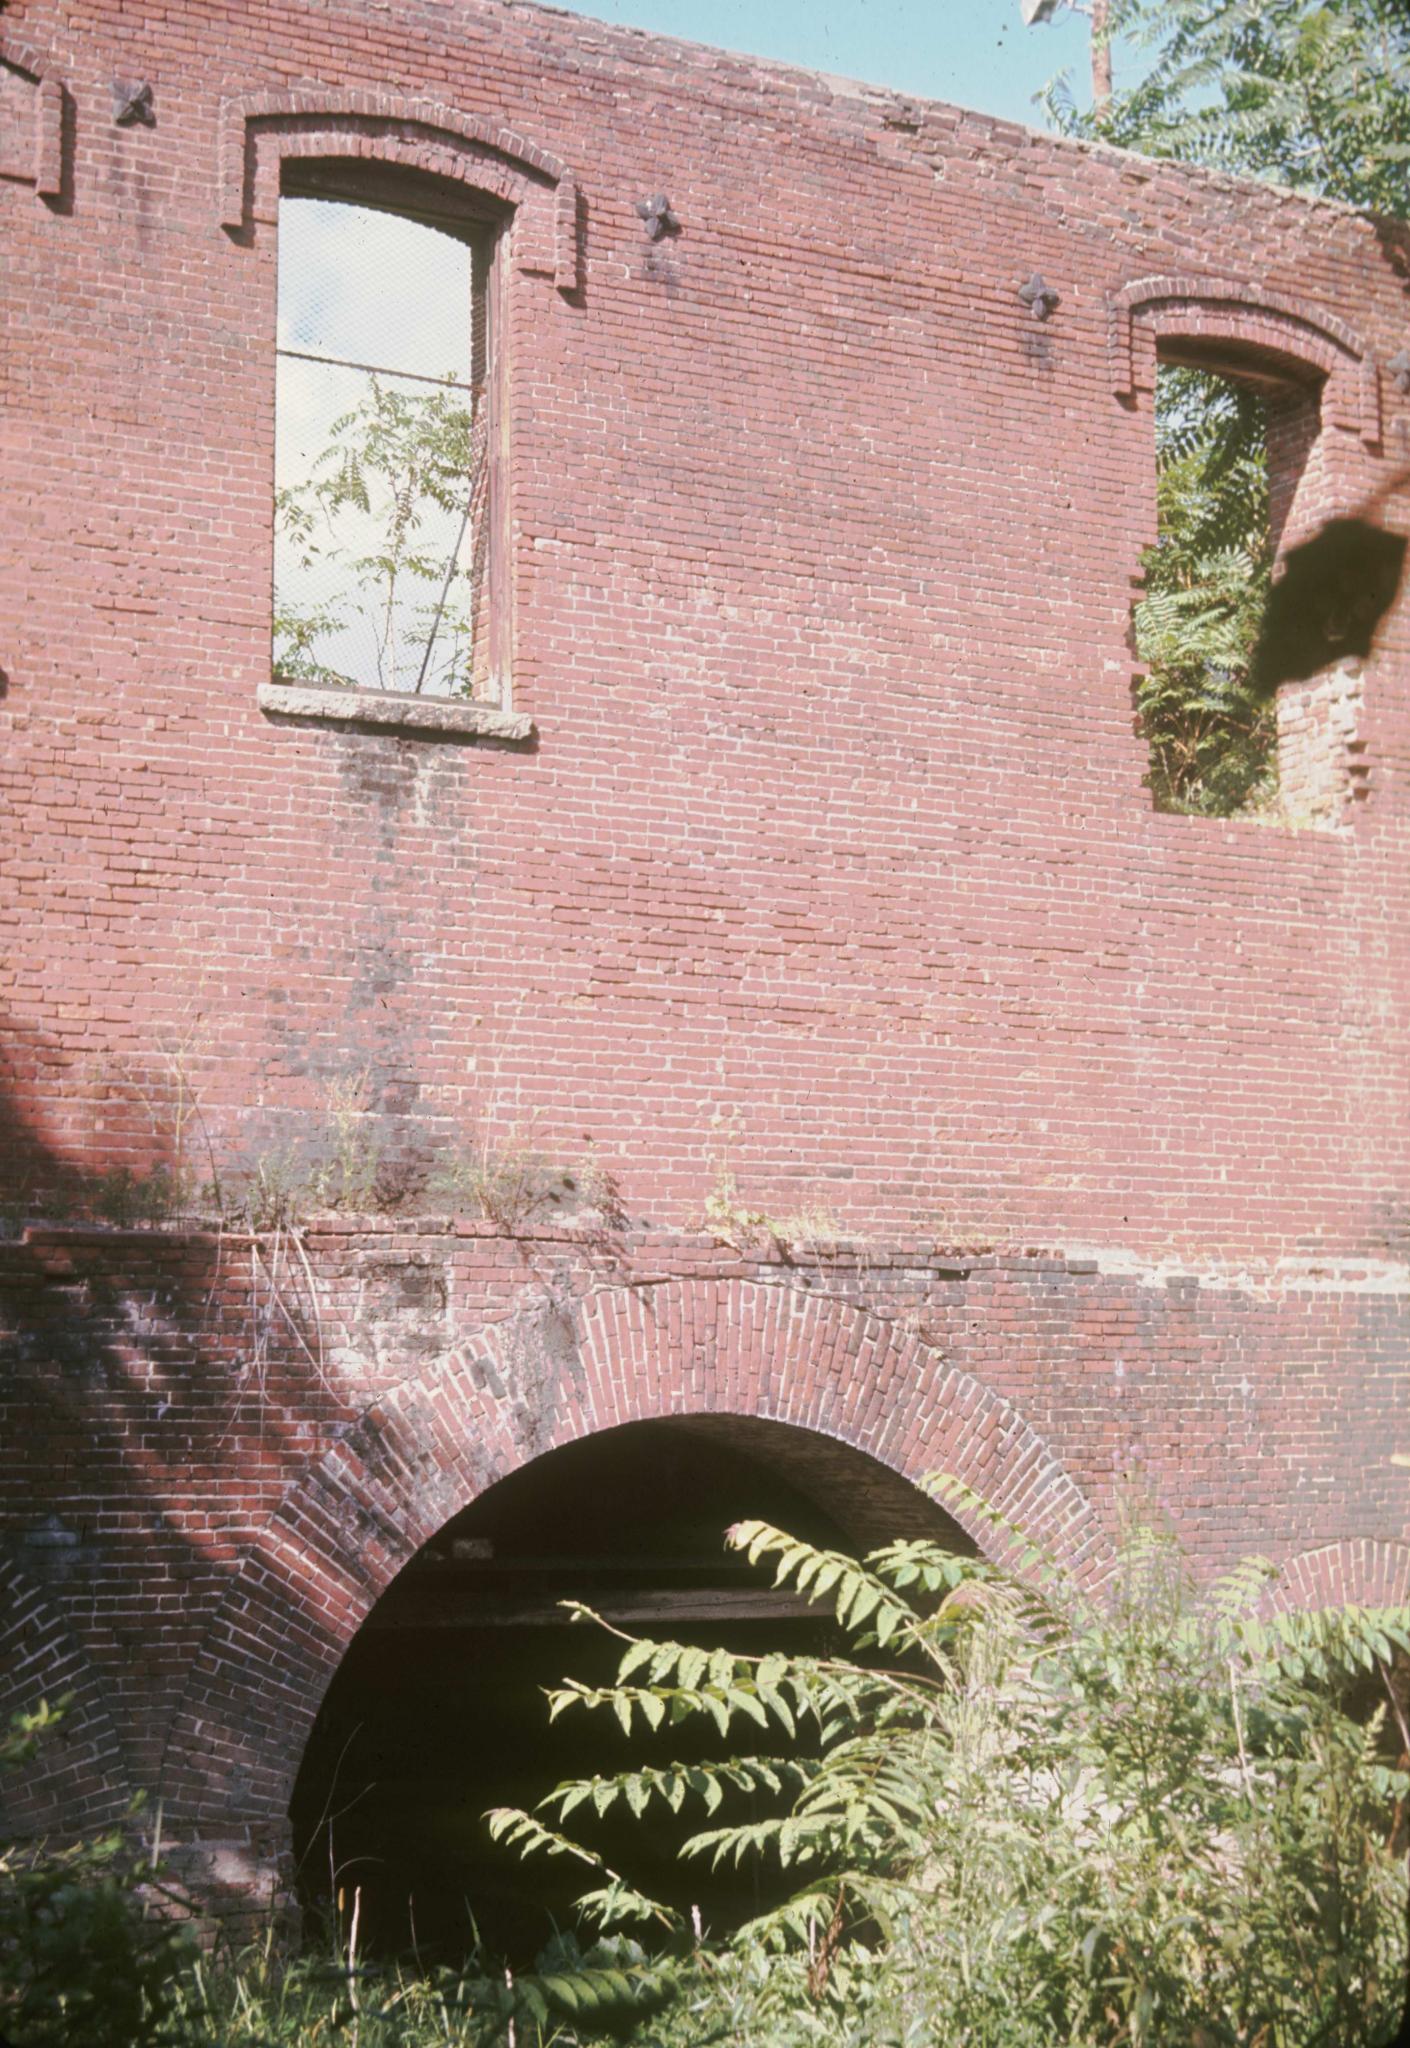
(974, 52)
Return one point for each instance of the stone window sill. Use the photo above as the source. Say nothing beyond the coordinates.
(444, 717)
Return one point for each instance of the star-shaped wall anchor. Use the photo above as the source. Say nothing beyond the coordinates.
(1399, 367)
(1039, 296)
(132, 104)
(657, 214)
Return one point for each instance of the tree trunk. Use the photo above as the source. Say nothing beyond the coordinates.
(1101, 56)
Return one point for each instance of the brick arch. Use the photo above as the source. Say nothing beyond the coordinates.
(388, 127)
(1362, 1571)
(77, 1779)
(47, 140)
(421, 1453)
(1224, 310)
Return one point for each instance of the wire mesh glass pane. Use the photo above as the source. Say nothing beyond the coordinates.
(380, 475)
(376, 288)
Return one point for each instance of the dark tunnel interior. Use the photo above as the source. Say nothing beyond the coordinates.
(437, 1711)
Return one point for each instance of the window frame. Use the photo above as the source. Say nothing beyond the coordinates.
(1248, 333)
(1288, 386)
(482, 221)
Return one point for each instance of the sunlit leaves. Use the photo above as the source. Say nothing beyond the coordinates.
(1310, 93)
(1207, 578)
(372, 548)
(1040, 1818)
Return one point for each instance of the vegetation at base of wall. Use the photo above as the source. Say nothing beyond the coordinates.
(810, 1230)
(1016, 1816)
(1025, 1816)
(85, 1956)
(728, 1218)
(512, 1182)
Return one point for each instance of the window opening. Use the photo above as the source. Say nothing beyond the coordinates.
(383, 459)
(1213, 737)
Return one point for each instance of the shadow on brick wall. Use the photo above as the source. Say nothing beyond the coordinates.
(153, 1405)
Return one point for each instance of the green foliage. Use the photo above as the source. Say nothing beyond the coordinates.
(1211, 738)
(20, 1741)
(1312, 93)
(574, 1993)
(91, 1957)
(337, 1162)
(730, 1220)
(1019, 1816)
(507, 1183)
(127, 1199)
(397, 461)
(1027, 1817)
(342, 1159)
(84, 1957)
(512, 1181)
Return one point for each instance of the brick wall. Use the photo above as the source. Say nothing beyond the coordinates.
(827, 863)
(224, 1454)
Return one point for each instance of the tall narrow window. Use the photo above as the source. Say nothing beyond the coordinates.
(383, 459)
(1213, 743)
(1238, 475)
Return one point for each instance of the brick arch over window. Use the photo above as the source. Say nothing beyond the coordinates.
(420, 133)
(46, 172)
(1220, 311)
(1367, 1571)
(77, 1779)
(420, 1454)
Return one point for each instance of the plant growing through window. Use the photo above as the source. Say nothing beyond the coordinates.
(1212, 739)
(382, 450)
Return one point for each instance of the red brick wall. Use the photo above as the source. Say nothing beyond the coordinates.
(208, 1483)
(821, 555)
(831, 844)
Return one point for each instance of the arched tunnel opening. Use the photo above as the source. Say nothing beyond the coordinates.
(437, 1711)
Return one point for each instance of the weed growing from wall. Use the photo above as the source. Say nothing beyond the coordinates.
(729, 1219)
(342, 1159)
